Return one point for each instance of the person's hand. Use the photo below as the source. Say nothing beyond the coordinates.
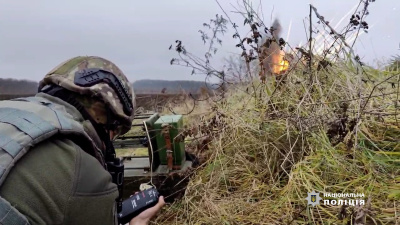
(144, 217)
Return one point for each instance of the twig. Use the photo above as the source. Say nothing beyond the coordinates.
(243, 48)
(331, 28)
(349, 100)
(397, 99)
(359, 28)
(378, 113)
(373, 89)
(310, 51)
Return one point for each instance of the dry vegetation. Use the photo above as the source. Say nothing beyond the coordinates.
(331, 128)
(264, 161)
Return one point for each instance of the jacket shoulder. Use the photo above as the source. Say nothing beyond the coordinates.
(56, 182)
(26, 122)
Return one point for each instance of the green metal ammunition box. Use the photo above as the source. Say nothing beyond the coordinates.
(178, 147)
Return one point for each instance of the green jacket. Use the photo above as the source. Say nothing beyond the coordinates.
(57, 182)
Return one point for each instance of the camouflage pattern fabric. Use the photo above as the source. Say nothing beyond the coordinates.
(96, 97)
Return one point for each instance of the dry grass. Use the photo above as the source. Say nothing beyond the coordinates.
(289, 141)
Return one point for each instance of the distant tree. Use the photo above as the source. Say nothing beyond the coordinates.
(17, 87)
(237, 70)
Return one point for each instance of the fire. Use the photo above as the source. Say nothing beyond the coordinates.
(280, 65)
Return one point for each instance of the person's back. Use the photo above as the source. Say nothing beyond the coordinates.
(59, 141)
(56, 182)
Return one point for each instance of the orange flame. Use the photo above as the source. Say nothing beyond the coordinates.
(280, 65)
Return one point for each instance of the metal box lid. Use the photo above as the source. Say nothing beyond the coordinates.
(169, 119)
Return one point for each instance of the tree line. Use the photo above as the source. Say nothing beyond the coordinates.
(26, 87)
(170, 87)
(17, 87)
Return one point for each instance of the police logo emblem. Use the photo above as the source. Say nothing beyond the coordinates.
(313, 198)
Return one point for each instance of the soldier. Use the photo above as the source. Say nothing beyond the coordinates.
(55, 147)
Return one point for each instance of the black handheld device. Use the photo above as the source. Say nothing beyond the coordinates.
(136, 204)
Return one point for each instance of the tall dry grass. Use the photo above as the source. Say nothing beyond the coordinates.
(338, 134)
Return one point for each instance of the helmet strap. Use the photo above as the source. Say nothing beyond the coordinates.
(114, 165)
(68, 97)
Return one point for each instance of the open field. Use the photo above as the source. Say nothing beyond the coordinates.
(151, 102)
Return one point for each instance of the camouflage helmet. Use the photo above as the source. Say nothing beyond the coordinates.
(96, 96)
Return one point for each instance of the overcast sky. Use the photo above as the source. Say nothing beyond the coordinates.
(36, 35)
